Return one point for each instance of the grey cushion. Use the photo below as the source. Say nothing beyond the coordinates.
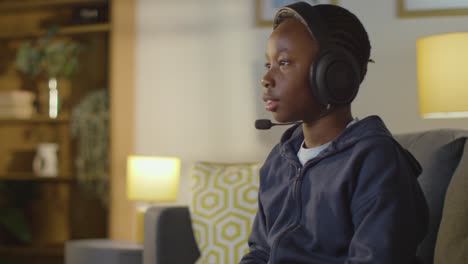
(439, 153)
(452, 240)
(169, 237)
(99, 251)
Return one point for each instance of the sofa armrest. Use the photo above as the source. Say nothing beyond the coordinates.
(168, 232)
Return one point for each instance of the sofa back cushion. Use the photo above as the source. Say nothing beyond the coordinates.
(438, 152)
(224, 203)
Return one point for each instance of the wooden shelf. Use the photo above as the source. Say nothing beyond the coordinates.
(52, 250)
(35, 120)
(67, 30)
(80, 29)
(35, 178)
(12, 5)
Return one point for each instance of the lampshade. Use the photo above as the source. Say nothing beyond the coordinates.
(442, 62)
(152, 178)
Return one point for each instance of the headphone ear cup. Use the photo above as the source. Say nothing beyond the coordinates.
(335, 77)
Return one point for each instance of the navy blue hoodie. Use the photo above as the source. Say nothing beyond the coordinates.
(358, 201)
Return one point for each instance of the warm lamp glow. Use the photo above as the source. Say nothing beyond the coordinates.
(443, 75)
(152, 178)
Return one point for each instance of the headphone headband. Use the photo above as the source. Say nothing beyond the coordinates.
(307, 15)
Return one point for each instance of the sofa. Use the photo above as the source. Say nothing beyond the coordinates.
(173, 236)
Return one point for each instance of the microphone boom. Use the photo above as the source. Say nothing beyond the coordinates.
(264, 124)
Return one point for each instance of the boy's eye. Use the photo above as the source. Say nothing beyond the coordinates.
(267, 66)
(284, 62)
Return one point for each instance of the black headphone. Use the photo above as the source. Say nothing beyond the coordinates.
(335, 75)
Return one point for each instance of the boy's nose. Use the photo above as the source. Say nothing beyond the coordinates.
(265, 82)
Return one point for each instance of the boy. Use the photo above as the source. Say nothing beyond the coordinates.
(335, 189)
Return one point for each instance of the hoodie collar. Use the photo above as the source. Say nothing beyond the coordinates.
(370, 126)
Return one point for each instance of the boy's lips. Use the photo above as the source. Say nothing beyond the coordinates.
(271, 105)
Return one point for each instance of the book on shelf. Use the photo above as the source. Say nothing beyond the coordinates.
(17, 104)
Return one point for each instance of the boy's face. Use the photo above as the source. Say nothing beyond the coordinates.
(290, 52)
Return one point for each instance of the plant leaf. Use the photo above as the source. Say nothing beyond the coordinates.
(14, 221)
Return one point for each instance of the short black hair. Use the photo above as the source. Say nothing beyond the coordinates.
(332, 25)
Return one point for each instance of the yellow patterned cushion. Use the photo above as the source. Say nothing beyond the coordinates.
(224, 203)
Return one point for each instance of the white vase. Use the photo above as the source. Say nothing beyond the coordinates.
(45, 163)
(54, 94)
(53, 97)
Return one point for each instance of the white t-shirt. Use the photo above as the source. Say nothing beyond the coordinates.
(305, 154)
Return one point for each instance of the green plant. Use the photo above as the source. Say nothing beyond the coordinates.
(14, 200)
(90, 126)
(48, 56)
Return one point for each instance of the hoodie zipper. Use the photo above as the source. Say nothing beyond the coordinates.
(296, 197)
(297, 179)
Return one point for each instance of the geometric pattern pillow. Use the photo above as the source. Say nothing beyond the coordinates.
(223, 206)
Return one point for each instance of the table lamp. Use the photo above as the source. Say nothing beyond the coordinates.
(151, 179)
(442, 62)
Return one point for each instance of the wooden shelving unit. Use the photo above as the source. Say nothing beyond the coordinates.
(63, 209)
